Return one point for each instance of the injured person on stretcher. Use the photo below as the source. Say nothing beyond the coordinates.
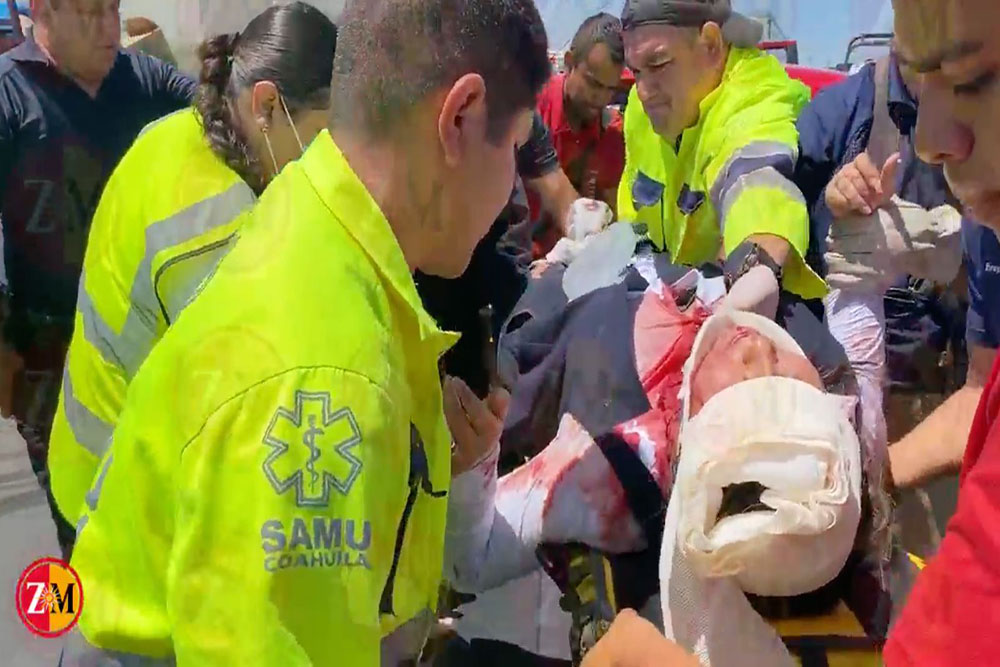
(633, 392)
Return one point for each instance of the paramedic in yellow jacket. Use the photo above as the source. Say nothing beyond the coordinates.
(170, 210)
(275, 491)
(710, 147)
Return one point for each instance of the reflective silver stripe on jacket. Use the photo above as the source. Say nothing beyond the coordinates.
(752, 157)
(768, 177)
(128, 349)
(88, 429)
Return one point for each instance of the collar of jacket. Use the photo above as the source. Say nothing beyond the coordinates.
(347, 199)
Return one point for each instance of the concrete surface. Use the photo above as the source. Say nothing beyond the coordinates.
(26, 534)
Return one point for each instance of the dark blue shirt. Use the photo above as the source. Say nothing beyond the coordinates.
(58, 147)
(982, 262)
(835, 128)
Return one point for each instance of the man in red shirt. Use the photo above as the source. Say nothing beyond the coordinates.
(587, 133)
(953, 614)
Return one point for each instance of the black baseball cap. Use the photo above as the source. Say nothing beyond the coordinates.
(737, 29)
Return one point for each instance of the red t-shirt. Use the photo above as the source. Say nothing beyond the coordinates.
(594, 157)
(953, 614)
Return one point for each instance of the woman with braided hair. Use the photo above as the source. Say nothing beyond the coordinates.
(172, 208)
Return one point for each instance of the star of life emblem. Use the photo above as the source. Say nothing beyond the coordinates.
(312, 449)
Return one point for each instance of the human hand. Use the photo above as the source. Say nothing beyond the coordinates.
(635, 642)
(475, 424)
(587, 217)
(859, 187)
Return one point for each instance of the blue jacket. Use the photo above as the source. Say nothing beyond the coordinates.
(982, 262)
(835, 128)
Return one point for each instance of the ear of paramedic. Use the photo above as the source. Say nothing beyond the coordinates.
(451, 124)
(265, 92)
(594, 65)
(675, 68)
(82, 37)
(952, 48)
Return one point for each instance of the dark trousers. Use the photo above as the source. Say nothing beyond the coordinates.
(488, 653)
(35, 398)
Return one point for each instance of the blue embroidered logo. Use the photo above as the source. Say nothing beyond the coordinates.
(312, 449)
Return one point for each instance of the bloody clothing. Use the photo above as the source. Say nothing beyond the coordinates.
(953, 613)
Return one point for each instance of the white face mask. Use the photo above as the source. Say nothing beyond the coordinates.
(295, 131)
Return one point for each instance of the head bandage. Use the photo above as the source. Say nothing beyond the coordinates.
(798, 444)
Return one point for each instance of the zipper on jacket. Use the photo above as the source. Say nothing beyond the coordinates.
(180, 258)
(419, 478)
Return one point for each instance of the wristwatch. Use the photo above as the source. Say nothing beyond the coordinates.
(746, 257)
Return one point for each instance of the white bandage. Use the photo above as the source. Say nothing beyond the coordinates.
(798, 443)
(588, 217)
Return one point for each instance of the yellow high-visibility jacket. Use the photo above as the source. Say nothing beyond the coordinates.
(164, 220)
(275, 492)
(730, 175)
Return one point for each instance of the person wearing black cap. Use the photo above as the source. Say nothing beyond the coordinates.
(711, 145)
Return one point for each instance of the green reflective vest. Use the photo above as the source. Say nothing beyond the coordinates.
(163, 222)
(275, 492)
(729, 176)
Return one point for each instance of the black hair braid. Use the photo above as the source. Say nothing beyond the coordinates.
(221, 129)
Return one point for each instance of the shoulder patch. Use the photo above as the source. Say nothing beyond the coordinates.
(312, 449)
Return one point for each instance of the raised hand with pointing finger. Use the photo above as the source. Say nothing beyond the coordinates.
(859, 188)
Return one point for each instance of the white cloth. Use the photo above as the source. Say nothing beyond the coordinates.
(524, 612)
(799, 444)
(588, 217)
(756, 291)
(866, 252)
(857, 320)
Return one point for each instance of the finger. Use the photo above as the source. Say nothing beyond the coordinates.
(854, 201)
(868, 171)
(836, 201)
(455, 415)
(888, 176)
(499, 402)
(481, 419)
(862, 186)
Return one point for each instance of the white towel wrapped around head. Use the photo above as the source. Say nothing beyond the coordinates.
(797, 443)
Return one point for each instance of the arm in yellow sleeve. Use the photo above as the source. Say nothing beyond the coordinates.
(753, 192)
(288, 503)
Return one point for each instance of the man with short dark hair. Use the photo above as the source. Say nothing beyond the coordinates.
(276, 488)
(588, 134)
(711, 145)
(71, 103)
